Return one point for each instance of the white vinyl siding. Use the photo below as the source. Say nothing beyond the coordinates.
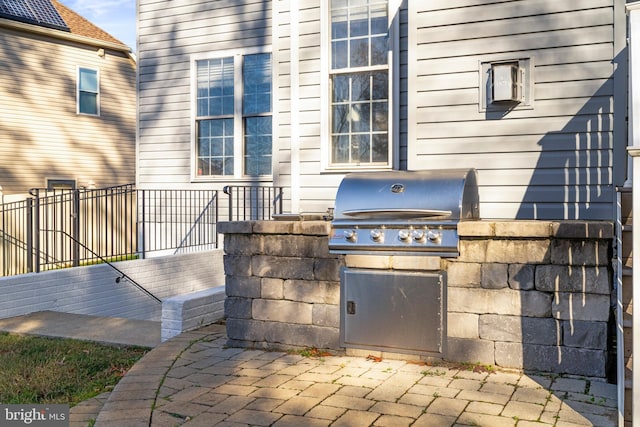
(559, 158)
(170, 33)
(307, 156)
(44, 137)
(552, 161)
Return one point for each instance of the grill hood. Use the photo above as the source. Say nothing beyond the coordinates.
(401, 196)
(375, 211)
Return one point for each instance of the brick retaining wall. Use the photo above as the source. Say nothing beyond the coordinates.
(93, 290)
(532, 295)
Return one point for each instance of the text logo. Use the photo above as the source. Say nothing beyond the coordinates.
(34, 415)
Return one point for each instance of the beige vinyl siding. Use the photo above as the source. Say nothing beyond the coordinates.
(41, 136)
(169, 33)
(555, 160)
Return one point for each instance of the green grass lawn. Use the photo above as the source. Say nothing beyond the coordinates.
(52, 370)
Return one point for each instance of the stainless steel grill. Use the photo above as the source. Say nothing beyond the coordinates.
(407, 212)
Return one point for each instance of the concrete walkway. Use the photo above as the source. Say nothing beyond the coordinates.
(194, 380)
(109, 330)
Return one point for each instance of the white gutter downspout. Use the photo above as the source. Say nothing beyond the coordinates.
(633, 10)
(620, 367)
(635, 257)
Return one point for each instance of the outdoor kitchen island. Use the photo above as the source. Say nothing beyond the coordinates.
(533, 295)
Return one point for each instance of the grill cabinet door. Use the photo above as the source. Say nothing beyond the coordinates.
(394, 312)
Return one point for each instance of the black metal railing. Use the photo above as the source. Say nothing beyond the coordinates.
(174, 221)
(66, 228)
(13, 238)
(253, 202)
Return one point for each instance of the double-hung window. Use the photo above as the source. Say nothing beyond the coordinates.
(88, 96)
(360, 85)
(233, 115)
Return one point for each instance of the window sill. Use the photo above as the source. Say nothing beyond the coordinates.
(232, 179)
(353, 168)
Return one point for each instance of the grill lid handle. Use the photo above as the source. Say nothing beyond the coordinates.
(397, 213)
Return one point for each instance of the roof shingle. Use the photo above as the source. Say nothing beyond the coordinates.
(81, 26)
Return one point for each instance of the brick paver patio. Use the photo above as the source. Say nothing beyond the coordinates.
(194, 380)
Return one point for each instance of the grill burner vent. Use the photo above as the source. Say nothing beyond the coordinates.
(409, 212)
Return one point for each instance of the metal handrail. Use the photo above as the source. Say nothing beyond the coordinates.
(123, 275)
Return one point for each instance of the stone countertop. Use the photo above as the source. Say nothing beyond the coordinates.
(311, 228)
(481, 228)
(539, 228)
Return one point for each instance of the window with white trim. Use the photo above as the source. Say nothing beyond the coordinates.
(88, 96)
(234, 115)
(360, 84)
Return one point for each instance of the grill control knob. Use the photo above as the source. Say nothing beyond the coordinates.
(376, 234)
(434, 236)
(404, 235)
(418, 235)
(350, 235)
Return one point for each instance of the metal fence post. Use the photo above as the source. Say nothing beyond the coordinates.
(142, 226)
(228, 191)
(36, 233)
(217, 220)
(29, 254)
(75, 216)
(33, 231)
(5, 263)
